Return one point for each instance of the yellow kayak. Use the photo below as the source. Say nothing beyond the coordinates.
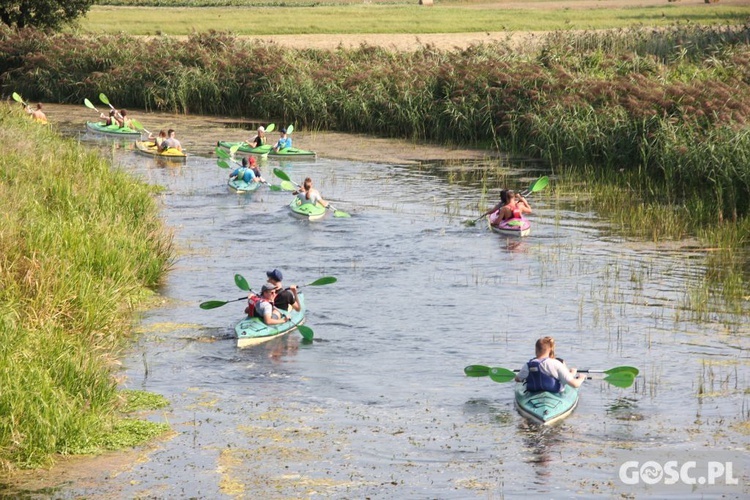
(149, 148)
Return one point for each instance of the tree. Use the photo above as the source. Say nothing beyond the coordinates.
(42, 13)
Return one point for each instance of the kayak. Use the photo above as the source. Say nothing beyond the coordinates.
(149, 149)
(307, 211)
(267, 150)
(252, 331)
(113, 130)
(512, 227)
(543, 407)
(240, 186)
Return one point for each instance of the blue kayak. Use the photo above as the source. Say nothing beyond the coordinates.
(240, 186)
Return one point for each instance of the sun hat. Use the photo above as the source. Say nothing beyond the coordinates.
(275, 275)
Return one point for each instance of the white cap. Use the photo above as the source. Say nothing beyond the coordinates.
(261, 129)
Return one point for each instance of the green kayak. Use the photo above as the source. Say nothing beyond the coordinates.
(307, 210)
(113, 130)
(543, 407)
(267, 150)
(240, 186)
(252, 331)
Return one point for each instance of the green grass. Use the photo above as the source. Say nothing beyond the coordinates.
(80, 245)
(407, 19)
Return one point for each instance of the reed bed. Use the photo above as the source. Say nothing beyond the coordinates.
(670, 104)
(80, 245)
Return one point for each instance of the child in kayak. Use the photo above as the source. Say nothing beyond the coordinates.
(248, 172)
(308, 194)
(545, 373)
(512, 206)
(284, 141)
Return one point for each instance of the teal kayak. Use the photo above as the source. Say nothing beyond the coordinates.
(113, 130)
(307, 210)
(267, 150)
(545, 407)
(240, 186)
(252, 331)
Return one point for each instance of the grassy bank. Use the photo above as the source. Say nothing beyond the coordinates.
(80, 245)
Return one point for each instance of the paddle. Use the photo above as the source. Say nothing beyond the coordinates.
(282, 175)
(534, 187)
(91, 106)
(619, 376)
(138, 126)
(483, 371)
(18, 99)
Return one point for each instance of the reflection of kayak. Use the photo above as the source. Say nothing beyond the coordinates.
(149, 149)
(307, 211)
(113, 130)
(241, 186)
(545, 407)
(252, 331)
(511, 227)
(267, 149)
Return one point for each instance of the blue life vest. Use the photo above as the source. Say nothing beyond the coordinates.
(538, 381)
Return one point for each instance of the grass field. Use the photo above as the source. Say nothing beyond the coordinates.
(286, 18)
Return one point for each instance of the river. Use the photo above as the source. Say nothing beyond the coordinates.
(378, 405)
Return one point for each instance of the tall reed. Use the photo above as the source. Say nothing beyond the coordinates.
(80, 245)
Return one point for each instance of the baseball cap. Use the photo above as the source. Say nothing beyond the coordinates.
(275, 275)
(266, 287)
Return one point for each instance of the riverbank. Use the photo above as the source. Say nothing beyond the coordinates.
(82, 246)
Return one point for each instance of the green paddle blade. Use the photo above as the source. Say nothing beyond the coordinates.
(212, 304)
(617, 369)
(222, 164)
(339, 213)
(271, 127)
(540, 184)
(221, 153)
(620, 379)
(241, 282)
(89, 105)
(501, 375)
(274, 187)
(17, 98)
(136, 124)
(104, 99)
(477, 371)
(289, 130)
(306, 332)
(325, 280)
(287, 186)
(281, 174)
(234, 149)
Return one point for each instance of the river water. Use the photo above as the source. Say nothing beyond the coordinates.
(378, 405)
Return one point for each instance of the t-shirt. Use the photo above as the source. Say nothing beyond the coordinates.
(552, 367)
(284, 300)
(263, 308)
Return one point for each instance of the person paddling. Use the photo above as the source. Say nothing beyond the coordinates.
(248, 172)
(308, 194)
(286, 298)
(284, 141)
(37, 114)
(262, 306)
(170, 142)
(545, 373)
(512, 206)
(260, 139)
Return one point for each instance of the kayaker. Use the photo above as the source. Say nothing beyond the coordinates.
(494, 212)
(158, 139)
(249, 172)
(514, 208)
(170, 142)
(284, 141)
(308, 194)
(37, 114)
(109, 119)
(545, 373)
(259, 139)
(122, 118)
(264, 308)
(286, 298)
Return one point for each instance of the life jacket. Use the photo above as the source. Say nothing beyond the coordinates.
(251, 309)
(539, 381)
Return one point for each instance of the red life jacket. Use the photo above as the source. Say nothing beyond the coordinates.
(252, 302)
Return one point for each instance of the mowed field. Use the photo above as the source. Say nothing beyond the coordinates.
(401, 24)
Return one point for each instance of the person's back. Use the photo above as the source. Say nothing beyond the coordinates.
(545, 373)
(37, 114)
